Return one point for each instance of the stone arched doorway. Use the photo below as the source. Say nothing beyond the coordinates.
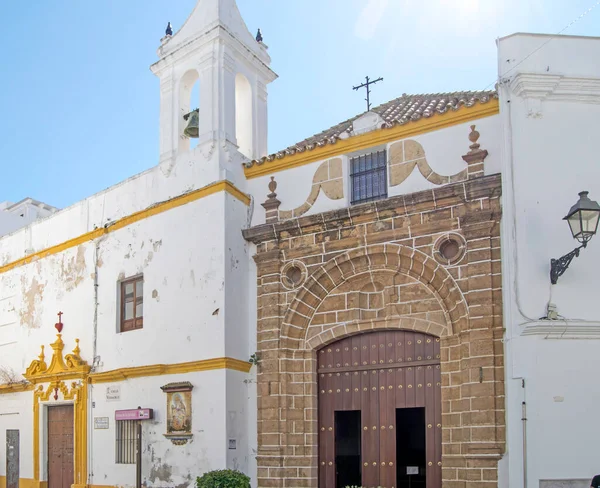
(380, 419)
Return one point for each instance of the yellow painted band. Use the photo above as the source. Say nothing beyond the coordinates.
(131, 219)
(15, 388)
(151, 370)
(364, 141)
(163, 369)
(25, 483)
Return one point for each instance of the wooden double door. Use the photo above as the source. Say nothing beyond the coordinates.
(380, 411)
(60, 446)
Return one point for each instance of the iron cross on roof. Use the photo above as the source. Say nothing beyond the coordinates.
(367, 84)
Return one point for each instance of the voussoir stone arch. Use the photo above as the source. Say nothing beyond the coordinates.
(340, 331)
(394, 257)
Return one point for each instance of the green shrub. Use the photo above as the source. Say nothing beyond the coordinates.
(226, 478)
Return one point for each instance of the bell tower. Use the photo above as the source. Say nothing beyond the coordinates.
(213, 88)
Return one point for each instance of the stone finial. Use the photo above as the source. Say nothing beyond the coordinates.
(272, 187)
(271, 205)
(474, 137)
(475, 157)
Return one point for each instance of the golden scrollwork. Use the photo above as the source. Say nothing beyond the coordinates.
(70, 366)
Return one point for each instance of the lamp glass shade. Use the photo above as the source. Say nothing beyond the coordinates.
(583, 218)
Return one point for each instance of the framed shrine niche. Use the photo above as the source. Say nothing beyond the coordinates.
(179, 412)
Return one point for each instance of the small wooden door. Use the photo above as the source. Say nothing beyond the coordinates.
(391, 381)
(60, 446)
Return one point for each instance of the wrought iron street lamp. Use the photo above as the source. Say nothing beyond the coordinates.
(583, 221)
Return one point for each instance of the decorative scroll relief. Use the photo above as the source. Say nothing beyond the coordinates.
(328, 178)
(68, 367)
(405, 155)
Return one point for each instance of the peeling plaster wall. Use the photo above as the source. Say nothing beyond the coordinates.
(443, 148)
(182, 263)
(164, 464)
(190, 261)
(132, 195)
(31, 296)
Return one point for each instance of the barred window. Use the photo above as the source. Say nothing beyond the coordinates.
(368, 174)
(126, 442)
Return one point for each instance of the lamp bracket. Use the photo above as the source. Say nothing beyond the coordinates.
(560, 265)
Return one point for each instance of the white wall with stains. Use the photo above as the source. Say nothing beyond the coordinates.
(164, 464)
(196, 304)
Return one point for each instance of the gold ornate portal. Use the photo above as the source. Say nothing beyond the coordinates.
(64, 380)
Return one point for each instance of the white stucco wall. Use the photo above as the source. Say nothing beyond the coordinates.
(550, 107)
(186, 255)
(14, 216)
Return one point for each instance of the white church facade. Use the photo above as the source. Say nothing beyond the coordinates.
(361, 303)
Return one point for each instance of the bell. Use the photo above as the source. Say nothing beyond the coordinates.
(191, 130)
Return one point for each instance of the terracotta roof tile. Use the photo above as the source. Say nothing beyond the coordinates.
(400, 111)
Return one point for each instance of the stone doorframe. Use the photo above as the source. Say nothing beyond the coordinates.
(351, 286)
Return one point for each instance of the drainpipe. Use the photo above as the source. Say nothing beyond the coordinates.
(524, 421)
(94, 365)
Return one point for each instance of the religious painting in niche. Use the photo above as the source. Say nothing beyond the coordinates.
(179, 412)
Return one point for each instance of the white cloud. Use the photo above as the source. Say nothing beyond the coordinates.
(369, 18)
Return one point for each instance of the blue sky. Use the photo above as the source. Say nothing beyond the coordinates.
(80, 105)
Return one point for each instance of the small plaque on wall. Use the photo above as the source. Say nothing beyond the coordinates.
(101, 422)
(232, 444)
(113, 393)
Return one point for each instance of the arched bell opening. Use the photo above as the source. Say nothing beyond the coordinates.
(379, 404)
(244, 125)
(189, 111)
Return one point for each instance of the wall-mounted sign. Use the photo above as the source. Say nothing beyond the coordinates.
(101, 422)
(232, 444)
(136, 414)
(113, 393)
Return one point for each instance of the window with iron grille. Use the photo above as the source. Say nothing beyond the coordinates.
(368, 174)
(132, 304)
(126, 441)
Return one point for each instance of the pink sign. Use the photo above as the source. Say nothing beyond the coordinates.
(137, 414)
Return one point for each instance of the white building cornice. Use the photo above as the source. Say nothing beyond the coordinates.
(563, 329)
(556, 87)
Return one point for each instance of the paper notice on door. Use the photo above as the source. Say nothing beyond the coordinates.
(412, 470)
